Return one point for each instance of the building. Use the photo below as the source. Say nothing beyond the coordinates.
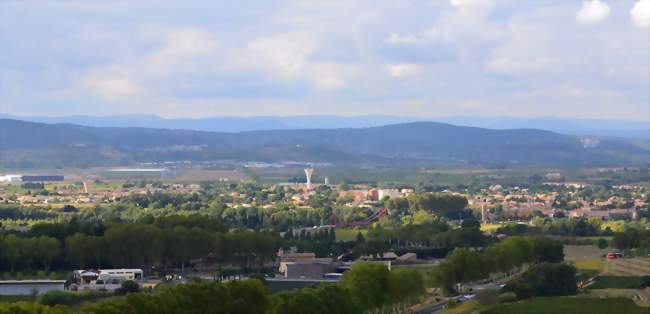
(303, 265)
(105, 276)
(314, 269)
(41, 178)
(29, 287)
(10, 178)
(391, 193)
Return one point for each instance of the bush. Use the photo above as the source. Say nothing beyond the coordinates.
(487, 297)
(546, 279)
(56, 297)
(128, 286)
(507, 297)
(602, 243)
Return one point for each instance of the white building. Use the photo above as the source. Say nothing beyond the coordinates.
(11, 178)
(392, 193)
(90, 277)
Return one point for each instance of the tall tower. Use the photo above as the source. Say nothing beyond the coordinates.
(308, 172)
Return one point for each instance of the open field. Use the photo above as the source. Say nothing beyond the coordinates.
(348, 234)
(465, 307)
(570, 305)
(618, 282)
(628, 267)
(595, 265)
(583, 252)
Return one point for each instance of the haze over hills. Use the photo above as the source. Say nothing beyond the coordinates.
(615, 128)
(33, 145)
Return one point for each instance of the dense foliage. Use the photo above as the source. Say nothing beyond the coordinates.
(167, 242)
(464, 265)
(546, 279)
(364, 287)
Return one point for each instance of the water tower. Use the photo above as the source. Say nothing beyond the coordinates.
(308, 172)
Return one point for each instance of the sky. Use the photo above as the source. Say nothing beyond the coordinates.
(564, 58)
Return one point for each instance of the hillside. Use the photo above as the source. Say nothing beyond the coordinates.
(27, 144)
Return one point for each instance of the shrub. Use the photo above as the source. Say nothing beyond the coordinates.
(546, 279)
(507, 297)
(487, 297)
(56, 297)
(128, 286)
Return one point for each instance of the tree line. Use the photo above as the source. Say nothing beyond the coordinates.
(167, 243)
(463, 265)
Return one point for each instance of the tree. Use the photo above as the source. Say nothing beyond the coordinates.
(405, 283)
(46, 250)
(368, 284)
(546, 279)
(602, 243)
(11, 250)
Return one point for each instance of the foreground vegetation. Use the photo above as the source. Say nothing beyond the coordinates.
(569, 305)
(365, 287)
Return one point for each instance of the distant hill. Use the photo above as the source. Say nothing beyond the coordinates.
(28, 144)
(617, 128)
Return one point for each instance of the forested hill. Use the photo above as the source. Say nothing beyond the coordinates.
(27, 144)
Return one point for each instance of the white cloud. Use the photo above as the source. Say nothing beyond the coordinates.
(283, 55)
(403, 69)
(592, 11)
(640, 13)
(287, 56)
(474, 8)
(182, 48)
(110, 87)
(395, 38)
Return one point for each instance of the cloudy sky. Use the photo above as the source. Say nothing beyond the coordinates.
(426, 58)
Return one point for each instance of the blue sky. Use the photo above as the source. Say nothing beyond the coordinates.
(429, 58)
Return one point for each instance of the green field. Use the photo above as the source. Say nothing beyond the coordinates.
(465, 307)
(348, 234)
(490, 227)
(570, 305)
(596, 265)
(617, 282)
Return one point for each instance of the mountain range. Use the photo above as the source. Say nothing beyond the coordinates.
(615, 128)
(38, 145)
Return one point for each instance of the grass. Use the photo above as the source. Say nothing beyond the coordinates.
(617, 282)
(490, 227)
(349, 234)
(610, 293)
(569, 305)
(463, 308)
(590, 264)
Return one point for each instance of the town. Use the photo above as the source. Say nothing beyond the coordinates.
(311, 231)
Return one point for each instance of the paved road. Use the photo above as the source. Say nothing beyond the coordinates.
(431, 309)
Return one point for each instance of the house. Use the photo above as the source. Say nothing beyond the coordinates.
(104, 276)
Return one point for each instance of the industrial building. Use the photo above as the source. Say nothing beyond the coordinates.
(27, 287)
(31, 178)
(41, 178)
